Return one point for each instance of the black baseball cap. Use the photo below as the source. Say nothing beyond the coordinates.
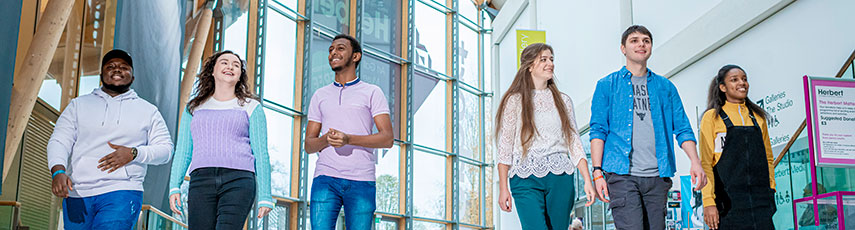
(117, 53)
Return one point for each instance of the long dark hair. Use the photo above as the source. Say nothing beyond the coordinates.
(206, 86)
(523, 86)
(716, 98)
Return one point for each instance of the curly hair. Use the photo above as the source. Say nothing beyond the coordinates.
(206, 86)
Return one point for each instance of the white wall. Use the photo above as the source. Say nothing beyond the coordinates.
(804, 38)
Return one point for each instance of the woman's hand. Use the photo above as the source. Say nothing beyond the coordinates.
(175, 203)
(263, 211)
(505, 202)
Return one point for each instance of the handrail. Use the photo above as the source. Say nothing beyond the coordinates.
(10, 203)
(789, 144)
(162, 214)
(16, 212)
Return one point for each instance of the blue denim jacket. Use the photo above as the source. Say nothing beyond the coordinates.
(611, 120)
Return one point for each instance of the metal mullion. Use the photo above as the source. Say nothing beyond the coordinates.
(469, 24)
(474, 226)
(261, 34)
(385, 55)
(324, 30)
(431, 73)
(430, 150)
(308, 27)
(408, 223)
(281, 109)
(455, 105)
(471, 161)
(471, 89)
(284, 14)
(433, 220)
(436, 6)
(301, 16)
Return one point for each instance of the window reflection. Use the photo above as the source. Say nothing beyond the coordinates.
(468, 51)
(388, 179)
(385, 75)
(430, 38)
(334, 14)
(428, 185)
(381, 25)
(235, 20)
(280, 59)
(320, 73)
(429, 117)
(469, 193)
(470, 137)
(279, 148)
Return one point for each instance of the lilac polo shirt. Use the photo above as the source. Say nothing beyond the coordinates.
(349, 108)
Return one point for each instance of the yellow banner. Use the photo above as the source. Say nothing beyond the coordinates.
(528, 37)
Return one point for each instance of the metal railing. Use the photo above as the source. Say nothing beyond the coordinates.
(152, 218)
(16, 213)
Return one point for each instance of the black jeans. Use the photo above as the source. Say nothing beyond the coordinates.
(219, 198)
(638, 202)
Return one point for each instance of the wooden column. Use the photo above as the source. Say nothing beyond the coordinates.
(251, 44)
(26, 84)
(193, 62)
(71, 62)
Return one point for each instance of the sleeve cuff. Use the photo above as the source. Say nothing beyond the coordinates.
(265, 203)
(380, 113)
(174, 191)
(597, 135)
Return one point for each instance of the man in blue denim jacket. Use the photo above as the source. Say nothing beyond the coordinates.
(635, 113)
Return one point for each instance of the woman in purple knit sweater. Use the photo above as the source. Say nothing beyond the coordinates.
(222, 142)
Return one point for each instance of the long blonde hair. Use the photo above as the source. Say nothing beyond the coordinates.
(524, 85)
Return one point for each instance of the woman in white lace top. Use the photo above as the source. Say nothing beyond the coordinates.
(539, 148)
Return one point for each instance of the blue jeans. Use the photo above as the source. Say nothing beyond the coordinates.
(330, 193)
(112, 210)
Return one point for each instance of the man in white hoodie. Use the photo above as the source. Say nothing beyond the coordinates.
(100, 148)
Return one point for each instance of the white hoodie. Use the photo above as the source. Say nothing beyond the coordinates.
(89, 122)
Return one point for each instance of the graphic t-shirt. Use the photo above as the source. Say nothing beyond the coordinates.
(643, 156)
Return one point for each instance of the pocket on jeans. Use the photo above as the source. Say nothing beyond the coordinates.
(617, 203)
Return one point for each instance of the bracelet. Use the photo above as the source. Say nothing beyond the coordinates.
(57, 173)
(598, 177)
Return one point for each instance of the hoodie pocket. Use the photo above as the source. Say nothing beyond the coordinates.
(86, 172)
(135, 170)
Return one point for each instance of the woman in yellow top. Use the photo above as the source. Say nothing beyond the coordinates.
(737, 156)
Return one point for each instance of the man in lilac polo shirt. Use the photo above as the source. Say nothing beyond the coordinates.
(346, 112)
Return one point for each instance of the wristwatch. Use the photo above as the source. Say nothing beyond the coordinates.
(134, 153)
(597, 168)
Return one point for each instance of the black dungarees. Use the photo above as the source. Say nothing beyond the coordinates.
(742, 193)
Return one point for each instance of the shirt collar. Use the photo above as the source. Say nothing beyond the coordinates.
(353, 82)
(625, 73)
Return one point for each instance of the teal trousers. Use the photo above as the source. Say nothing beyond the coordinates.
(544, 203)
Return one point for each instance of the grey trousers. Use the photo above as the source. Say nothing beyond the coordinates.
(638, 202)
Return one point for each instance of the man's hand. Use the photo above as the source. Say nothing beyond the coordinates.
(60, 185)
(711, 216)
(699, 178)
(116, 159)
(600, 185)
(337, 138)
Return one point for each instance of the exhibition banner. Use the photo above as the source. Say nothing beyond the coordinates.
(528, 37)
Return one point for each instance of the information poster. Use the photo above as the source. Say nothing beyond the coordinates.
(832, 120)
(528, 37)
